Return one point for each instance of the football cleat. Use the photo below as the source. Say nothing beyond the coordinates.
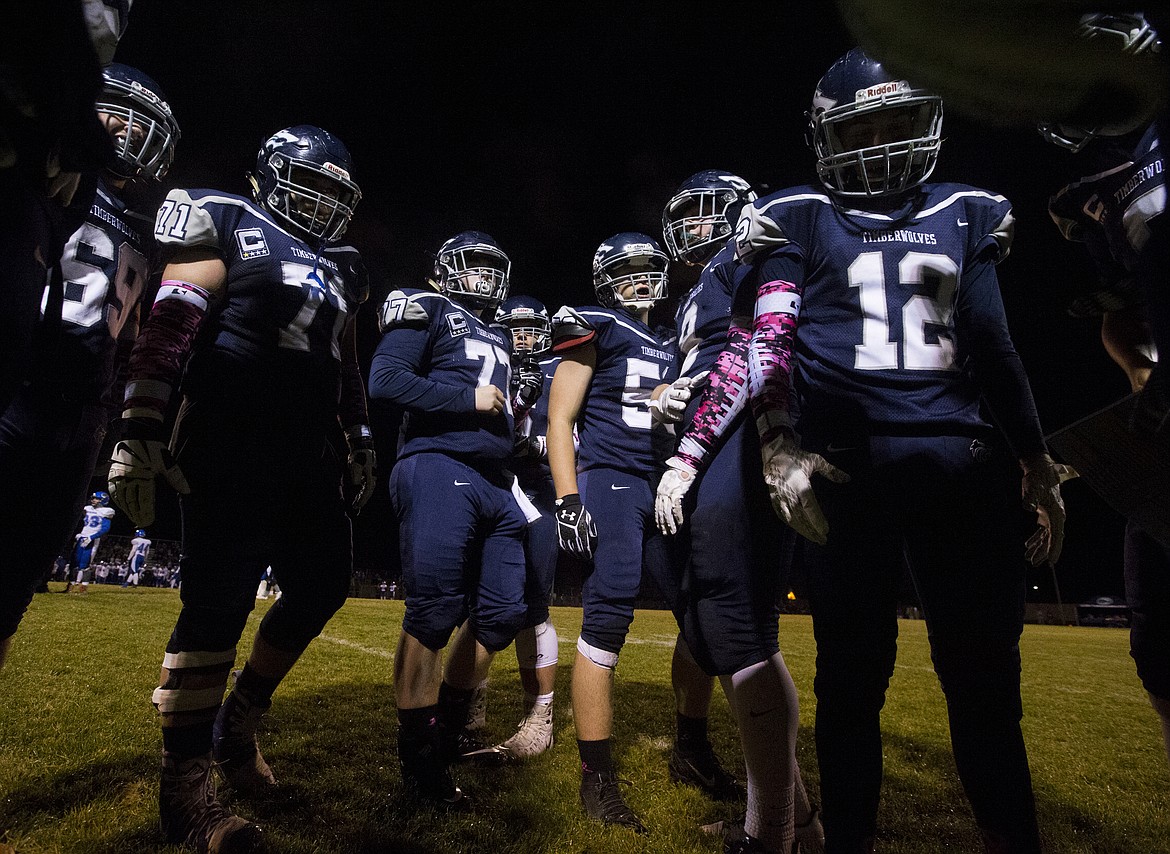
(465, 746)
(427, 775)
(602, 799)
(533, 736)
(190, 814)
(236, 747)
(702, 769)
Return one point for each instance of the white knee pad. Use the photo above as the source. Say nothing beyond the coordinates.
(546, 645)
(537, 647)
(600, 657)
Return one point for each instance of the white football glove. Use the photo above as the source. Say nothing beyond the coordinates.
(133, 467)
(668, 407)
(676, 481)
(576, 531)
(84, 542)
(788, 472)
(1040, 490)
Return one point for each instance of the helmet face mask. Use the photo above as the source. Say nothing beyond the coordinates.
(139, 121)
(1130, 33)
(472, 269)
(530, 325)
(101, 497)
(630, 272)
(873, 135)
(701, 215)
(303, 178)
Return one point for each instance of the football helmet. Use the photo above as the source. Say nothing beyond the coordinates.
(701, 215)
(145, 133)
(472, 269)
(635, 262)
(102, 497)
(530, 324)
(303, 177)
(873, 134)
(139, 532)
(1131, 34)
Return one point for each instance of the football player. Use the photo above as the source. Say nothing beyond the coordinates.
(877, 330)
(1109, 211)
(442, 359)
(614, 381)
(139, 549)
(732, 543)
(51, 434)
(96, 521)
(533, 366)
(255, 317)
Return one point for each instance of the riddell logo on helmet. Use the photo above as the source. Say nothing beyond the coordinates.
(881, 89)
(335, 169)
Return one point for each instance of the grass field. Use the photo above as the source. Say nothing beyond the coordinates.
(79, 742)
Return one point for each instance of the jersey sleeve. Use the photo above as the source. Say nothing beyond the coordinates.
(991, 226)
(185, 221)
(757, 234)
(396, 370)
(997, 368)
(403, 309)
(570, 330)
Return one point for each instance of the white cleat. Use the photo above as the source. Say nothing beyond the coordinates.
(533, 736)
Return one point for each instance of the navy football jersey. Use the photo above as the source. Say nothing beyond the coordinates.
(704, 313)
(1109, 212)
(272, 340)
(432, 356)
(614, 427)
(879, 338)
(105, 267)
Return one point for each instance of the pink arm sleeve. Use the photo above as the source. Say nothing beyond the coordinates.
(770, 357)
(162, 348)
(723, 399)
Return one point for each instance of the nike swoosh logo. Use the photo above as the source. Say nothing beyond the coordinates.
(960, 222)
(615, 486)
(463, 483)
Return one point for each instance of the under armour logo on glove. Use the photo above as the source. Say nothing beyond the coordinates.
(576, 532)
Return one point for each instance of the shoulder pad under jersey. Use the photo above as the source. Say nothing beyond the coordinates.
(756, 232)
(403, 309)
(570, 330)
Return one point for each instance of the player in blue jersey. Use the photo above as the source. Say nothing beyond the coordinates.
(139, 549)
(51, 433)
(610, 389)
(95, 524)
(443, 361)
(878, 332)
(533, 366)
(255, 317)
(1109, 211)
(732, 544)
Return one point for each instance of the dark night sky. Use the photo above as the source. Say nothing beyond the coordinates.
(552, 127)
